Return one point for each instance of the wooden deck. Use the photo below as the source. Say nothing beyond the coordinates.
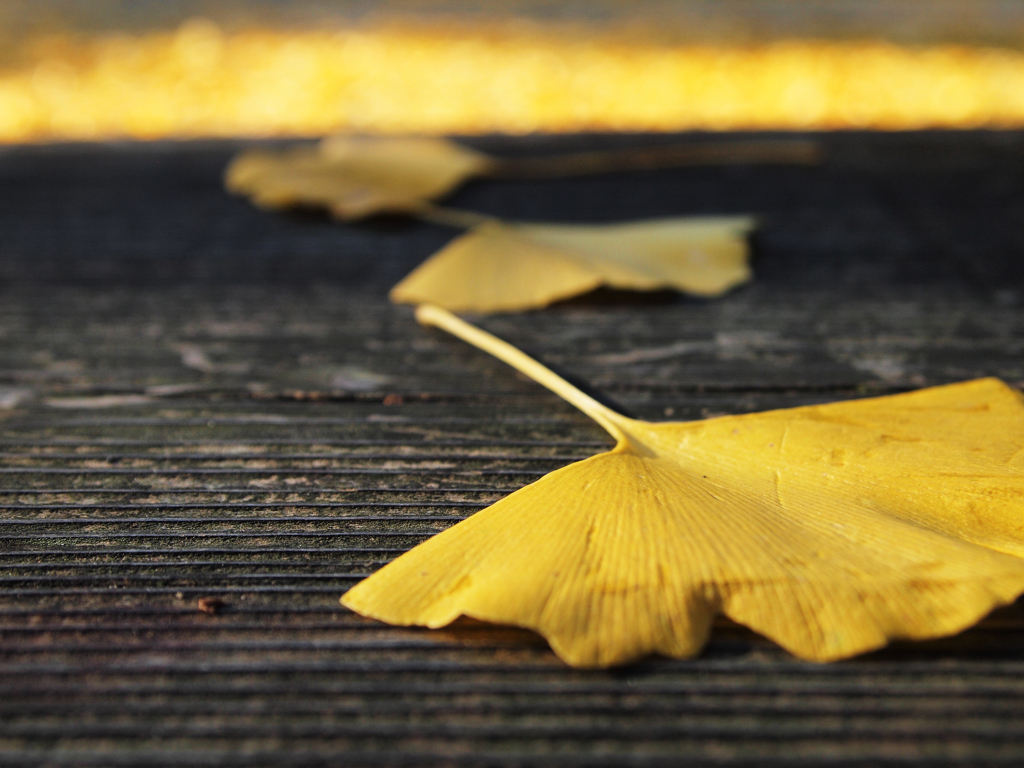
(204, 400)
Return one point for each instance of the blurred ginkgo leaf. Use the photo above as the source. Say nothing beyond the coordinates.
(498, 267)
(354, 177)
(830, 529)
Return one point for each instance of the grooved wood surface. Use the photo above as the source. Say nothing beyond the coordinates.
(206, 401)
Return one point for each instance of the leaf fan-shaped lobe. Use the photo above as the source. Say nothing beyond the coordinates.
(830, 529)
(355, 177)
(500, 267)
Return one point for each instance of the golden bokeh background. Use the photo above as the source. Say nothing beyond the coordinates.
(199, 80)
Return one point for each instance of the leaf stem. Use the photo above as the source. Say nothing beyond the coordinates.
(429, 314)
(452, 217)
(779, 151)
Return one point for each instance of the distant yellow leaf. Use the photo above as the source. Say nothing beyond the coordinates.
(498, 267)
(355, 177)
(830, 529)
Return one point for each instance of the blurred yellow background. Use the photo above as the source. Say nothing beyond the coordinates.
(485, 75)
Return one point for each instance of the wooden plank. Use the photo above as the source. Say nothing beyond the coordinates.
(265, 436)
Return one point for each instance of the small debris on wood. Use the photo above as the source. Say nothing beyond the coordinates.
(12, 397)
(211, 605)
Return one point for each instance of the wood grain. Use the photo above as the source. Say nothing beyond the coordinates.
(212, 402)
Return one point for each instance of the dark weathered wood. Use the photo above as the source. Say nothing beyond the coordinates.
(205, 400)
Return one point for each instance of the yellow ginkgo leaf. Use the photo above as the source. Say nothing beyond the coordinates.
(498, 267)
(830, 529)
(354, 177)
(358, 176)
